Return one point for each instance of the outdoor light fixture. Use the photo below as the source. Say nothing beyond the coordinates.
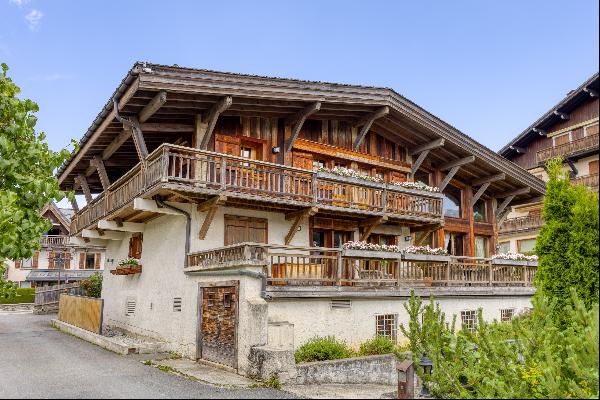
(427, 366)
(276, 150)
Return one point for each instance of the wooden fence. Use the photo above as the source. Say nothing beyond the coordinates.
(83, 312)
(47, 297)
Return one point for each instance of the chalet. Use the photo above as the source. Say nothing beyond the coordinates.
(237, 194)
(568, 130)
(60, 257)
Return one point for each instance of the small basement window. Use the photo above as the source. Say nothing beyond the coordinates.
(469, 319)
(341, 304)
(506, 314)
(386, 325)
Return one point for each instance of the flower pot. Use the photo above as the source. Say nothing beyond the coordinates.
(136, 269)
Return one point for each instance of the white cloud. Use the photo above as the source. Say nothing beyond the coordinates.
(33, 19)
(19, 2)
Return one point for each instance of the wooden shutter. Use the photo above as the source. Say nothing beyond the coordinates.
(227, 145)
(17, 264)
(67, 258)
(51, 259)
(97, 257)
(35, 260)
(245, 229)
(302, 160)
(82, 260)
(135, 247)
(593, 165)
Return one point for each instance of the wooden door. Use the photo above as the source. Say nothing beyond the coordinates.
(245, 229)
(218, 323)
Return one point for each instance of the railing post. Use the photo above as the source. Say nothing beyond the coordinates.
(223, 173)
(491, 272)
(384, 199)
(447, 273)
(315, 187)
(165, 166)
(525, 275)
(339, 269)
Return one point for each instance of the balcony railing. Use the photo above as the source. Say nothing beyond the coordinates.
(576, 146)
(520, 224)
(590, 181)
(54, 240)
(316, 266)
(210, 173)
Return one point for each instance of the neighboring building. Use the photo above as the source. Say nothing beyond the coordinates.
(568, 130)
(216, 183)
(59, 258)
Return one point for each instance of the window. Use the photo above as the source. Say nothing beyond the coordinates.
(469, 319)
(26, 263)
(504, 247)
(59, 259)
(339, 238)
(506, 314)
(318, 238)
(452, 199)
(454, 243)
(90, 261)
(380, 175)
(227, 300)
(318, 164)
(245, 152)
(135, 246)
(590, 130)
(526, 246)
(210, 297)
(480, 211)
(481, 246)
(593, 167)
(422, 176)
(386, 326)
(427, 241)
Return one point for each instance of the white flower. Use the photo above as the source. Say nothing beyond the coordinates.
(350, 173)
(417, 186)
(514, 257)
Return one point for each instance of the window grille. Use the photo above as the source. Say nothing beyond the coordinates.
(177, 304)
(341, 304)
(129, 306)
(386, 325)
(469, 319)
(506, 314)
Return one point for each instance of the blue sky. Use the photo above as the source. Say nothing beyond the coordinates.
(488, 68)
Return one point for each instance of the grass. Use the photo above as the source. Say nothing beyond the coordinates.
(24, 295)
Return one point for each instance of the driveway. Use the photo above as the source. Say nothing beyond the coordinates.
(37, 361)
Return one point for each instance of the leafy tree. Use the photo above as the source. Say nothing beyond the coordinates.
(531, 357)
(93, 286)
(568, 242)
(27, 179)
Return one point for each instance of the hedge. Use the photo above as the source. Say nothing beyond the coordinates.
(24, 295)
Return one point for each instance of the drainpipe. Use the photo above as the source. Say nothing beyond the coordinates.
(188, 225)
(243, 272)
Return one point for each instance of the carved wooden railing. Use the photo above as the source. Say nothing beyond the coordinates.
(316, 266)
(54, 240)
(520, 224)
(591, 181)
(258, 181)
(576, 146)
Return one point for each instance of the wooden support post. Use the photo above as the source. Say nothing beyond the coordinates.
(503, 205)
(82, 182)
(480, 192)
(74, 204)
(366, 123)
(211, 117)
(97, 163)
(298, 217)
(138, 140)
(297, 120)
(370, 224)
(211, 206)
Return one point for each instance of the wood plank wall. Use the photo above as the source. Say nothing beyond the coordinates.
(83, 312)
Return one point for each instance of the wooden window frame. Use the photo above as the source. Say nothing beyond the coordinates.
(469, 319)
(383, 322)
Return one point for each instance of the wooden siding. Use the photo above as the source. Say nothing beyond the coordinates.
(83, 312)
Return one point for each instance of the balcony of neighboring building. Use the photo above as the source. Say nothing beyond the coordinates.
(575, 148)
(520, 224)
(590, 181)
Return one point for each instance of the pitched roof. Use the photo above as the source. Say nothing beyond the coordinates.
(570, 102)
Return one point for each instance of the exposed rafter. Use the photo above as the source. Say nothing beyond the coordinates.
(153, 106)
(95, 234)
(97, 163)
(211, 206)
(591, 92)
(211, 117)
(491, 178)
(297, 120)
(540, 132)
(561, 114)
(167, 128)
(457, 163)
(366, 122)
(122, 226)
(515, 192)
(370, 224)
(428, 146)
(298, 217)
(520, 150)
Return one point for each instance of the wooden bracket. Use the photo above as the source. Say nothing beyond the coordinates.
(98, 163)
(211, 206)
(504, 204)
(74, 204)
(427, 146)
(513, 193)
(370, 224)
(477, 195)
(449, 177)
(212, 116)
(417, 164)
(457, 163)
(297, 120)
(366, 123)
(81, 181)
(298, 217)
(153, 106)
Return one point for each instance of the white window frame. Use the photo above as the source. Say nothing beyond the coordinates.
(469, 319)
(504, 317)
(385, 318)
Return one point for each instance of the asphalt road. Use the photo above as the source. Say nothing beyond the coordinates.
(37, 361)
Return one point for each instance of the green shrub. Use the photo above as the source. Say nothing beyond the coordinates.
(92, 287)
(322, 349)
(377, 346)
(22, 295)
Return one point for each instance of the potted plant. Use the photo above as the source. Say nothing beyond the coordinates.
(425, 253)
(129, 266)
(514, 259)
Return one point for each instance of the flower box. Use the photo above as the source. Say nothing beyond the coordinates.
(127, 270)
(425, 257)
(373, 254)
(500, 261)
(349, 179)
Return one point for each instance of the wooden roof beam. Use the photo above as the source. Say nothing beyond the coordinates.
(167, 128)
(211, 116)
(591, 92)
(153, 106)
(457, 163)
(366, 122)
(516, 192)
(297, 120)
(427, 146)
(492, 178)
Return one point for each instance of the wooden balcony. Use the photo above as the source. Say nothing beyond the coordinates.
(590, 181)
(520, 224)
(576, 147)
(55, 240)
(205, 173)
(292, 266)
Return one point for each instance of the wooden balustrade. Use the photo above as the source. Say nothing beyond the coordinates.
(591, 181)
(54, 240)
(576, 146)
(521, 224)
(254, 179)
(304, 266)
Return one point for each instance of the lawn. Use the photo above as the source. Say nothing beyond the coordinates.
(24, 295)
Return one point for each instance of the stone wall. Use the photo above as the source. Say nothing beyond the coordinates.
(359, 370)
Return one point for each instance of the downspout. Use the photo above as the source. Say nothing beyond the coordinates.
(188, 225)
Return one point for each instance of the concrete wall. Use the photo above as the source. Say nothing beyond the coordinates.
(315, 317)
(359, 370)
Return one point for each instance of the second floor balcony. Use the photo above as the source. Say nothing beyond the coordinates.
(206, 173)
(55, 240)
(520, 224)
(574, 148)
(589, 181)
